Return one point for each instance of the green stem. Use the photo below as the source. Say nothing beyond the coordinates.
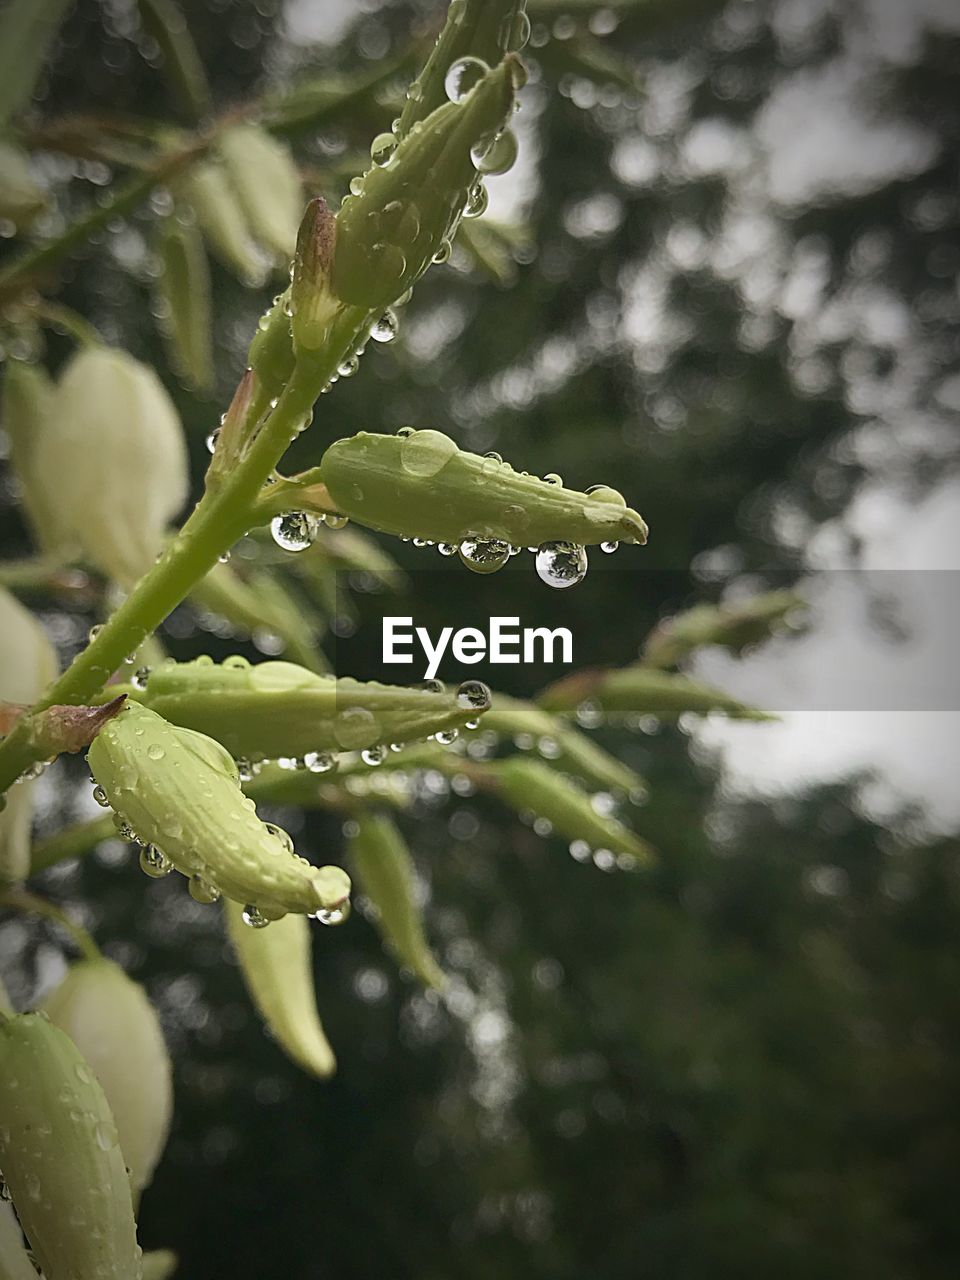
(222, 516)
(64, 319)
(23, 900)
(71, 842)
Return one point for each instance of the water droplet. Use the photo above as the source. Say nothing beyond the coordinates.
(430, 686)
(333, 915)
(553, 478)
(561, 564)
(356, 186)
(155, 751)
(212, 440)
(348, 367)
(603, 493)
(464, 75)
(497, 154)
(443, 252)
(484, 555)
(294, 531)
(609, 547)
(253, 917)
(473, 695)
(154, 862)
(580, 850)
(515, 32)
(386, 328)
(283, 836)
(447, 548)
(425, 453)
(101, 797)
(447, 736)
(94, 631)
(334, 520)
(202, 890)
(374, 755)
(319, 761)
(140, 677)
(382, 148)
(477, 200)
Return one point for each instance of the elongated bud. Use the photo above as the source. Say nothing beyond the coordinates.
(179, 793)
(475, 30)
(109, 1018)
(61, 1158)
(21, 199)
(560, 742)
(313, 304)
(267, 184)
(271, 355)
(279, 709)
(113, 457)
(28, 395)
(184, 291)
(278, 970)
(419, 484)
(386, 873)
(222, 221)
(404, 210)
(733, 626)
(15, 1262)
(27, 665)
(641, 691)
(528, 785)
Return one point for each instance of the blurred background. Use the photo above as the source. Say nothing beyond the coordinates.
(722, 276)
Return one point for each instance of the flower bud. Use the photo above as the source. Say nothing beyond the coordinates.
(20, 197)
(390, 231)
(639, 690)
(733, 626)
(419, 484)
(279, 709)
(278, 971)
(109, 1018)
(222, 222)
(184, 291)
(28, 663)
(386, 873)
(60, 1156)
(179, 792)
(267, 185)
(312, 304)
(28, 395)
(113, 457)
(528, 785)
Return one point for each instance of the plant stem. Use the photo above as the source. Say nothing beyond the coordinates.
(24, 900)
(71, 842)
(222, 516)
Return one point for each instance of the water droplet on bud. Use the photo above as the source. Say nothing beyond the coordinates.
(294, 531)
(561, 564)
(484, 555)
(253, 917)
(464, 75)
(385, 329)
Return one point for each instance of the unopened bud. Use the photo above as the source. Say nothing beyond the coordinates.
(184, 287)
(267, 184)
(313, 305)
(28, 397)
(732, 626)
(222, 221)
(640, 690)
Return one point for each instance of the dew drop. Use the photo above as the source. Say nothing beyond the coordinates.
(580, 851)
(319, 761)
(430, 686)
(101, 797)
(333, 915)
(446, 737)
(140, 677)
(603, 493)
(347, 368)
(94, 631)
(477, 200)
(154, 862)
(553, 478)
(212, 440)
(464, 75)
(155, 751)
(425, 453)
(497, 154)
(609, 547)
(374, 755)
(202, 890)
(443, 253)
(281, 835)
(382, 148)
(447, 548)
(561, 564)
(385, 329)
(294, 531)
(253, 917)
(473, 695)
(484, 555)
(334, 520)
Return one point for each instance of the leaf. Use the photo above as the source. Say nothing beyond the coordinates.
(164, 20)
(184, 288)
(27, 30)
(639, 690)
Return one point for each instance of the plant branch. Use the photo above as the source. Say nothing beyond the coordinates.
(25, 901)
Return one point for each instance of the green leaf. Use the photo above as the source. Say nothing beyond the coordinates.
(184, 288)
(732, 626)
(164, 20)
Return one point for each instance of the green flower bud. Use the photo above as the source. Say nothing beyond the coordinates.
(475, 29)
(15, 1262)
(221, 220)
(419, 484)
(404, 210)
(179, 792)
(271, 355)
(184, 291)
(28, 396)
(639, 690)
(386, 874)
(279, 709)
(528, 785)
(267, 185)
(60, 1156)
(28, 663)
(20, 197)
(109, 1018)
(159, 1264)
(114, 459)
(278, 971)
(560, 742)
(732, 626)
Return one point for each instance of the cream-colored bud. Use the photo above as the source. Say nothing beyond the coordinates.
(109, 1018)
(267, 184)
(114, 458)
(27, 665)
(20, 197)
(27, 405)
